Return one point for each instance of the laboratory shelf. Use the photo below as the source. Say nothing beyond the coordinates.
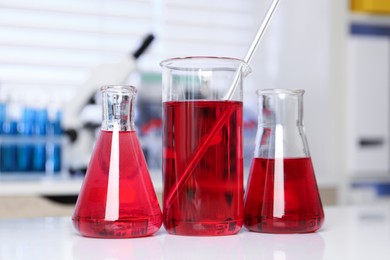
(63, 185)
(39, 186)
(56, 185)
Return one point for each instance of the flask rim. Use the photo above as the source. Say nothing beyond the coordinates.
(276, 91)
(119, 88)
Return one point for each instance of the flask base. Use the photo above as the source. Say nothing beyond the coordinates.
(277, 226)
(122, 228)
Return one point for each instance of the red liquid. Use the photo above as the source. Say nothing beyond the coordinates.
(210, 201)
(139, 211)
(265, 211)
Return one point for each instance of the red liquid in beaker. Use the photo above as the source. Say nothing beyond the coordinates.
(289, 203)
(211, 200)
(139, 211)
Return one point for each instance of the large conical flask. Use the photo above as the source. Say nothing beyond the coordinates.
(282, 194)
(117, 198)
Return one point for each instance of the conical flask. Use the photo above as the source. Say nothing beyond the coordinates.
(282, 194)
(117, 198)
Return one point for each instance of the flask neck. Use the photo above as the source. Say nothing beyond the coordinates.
(280, 107)
(118, 107)
(280, 132)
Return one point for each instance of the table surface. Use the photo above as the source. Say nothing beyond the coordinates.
(358, 232)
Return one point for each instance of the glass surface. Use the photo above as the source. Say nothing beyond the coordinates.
(202, 147)
(282, 194)
(117, 199)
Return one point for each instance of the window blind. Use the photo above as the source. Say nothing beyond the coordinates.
(51, 45)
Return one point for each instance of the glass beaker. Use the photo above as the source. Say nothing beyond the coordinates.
(282, 194)
(117, 198)
(202, 146)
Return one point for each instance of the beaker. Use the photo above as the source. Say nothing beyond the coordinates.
(282, 194)
(202, 146)
(117, 198)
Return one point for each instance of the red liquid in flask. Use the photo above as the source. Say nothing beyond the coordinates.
(139, 212)
(289, 203)
(211, 200)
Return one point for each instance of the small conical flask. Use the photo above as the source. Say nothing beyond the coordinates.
(282, 194)
(117, 198)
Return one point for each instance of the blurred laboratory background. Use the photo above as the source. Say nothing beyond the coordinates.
(54, 55)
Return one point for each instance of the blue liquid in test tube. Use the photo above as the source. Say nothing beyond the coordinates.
(39, 153)
(25, 150)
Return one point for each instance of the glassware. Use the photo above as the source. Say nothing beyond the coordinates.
(25, 150)
(202, 146)
(282, 194)
(117, 199)
(8, 150)
(39, 149)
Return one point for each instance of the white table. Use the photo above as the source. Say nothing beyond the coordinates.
(348, 233)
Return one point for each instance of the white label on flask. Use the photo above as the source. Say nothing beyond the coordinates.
(112, 202)
(279, 173)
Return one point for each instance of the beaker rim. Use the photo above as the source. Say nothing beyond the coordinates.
(181, 63)
(117, 88)
(276, 91)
